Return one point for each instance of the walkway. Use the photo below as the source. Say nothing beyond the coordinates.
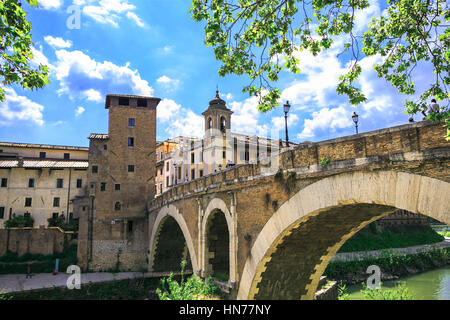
(360, 255)
(18, 282)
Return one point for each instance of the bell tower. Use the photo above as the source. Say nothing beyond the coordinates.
(217, 116)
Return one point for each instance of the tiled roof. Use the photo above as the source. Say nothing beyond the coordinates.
(41, 146)
(43, 164)
(98, 136)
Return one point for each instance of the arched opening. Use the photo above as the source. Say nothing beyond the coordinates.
(217, 259)
(117, 206)
(223, 124)
(297, 243)
(210, 124)
(170, 247)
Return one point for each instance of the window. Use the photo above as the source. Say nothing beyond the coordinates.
(224, 154)
(167, 181)
(55, 215)
(59, 183)
(131, 122)
(42, 155)
(79, 183)
(160, 188)
(160, 172)
(4, 182)
(105, 147)
(56, 202)
(209, 123)
(103, 186)
(31, 183)
(124, 102)
(142, 103)
(167, 166)
(131, 168)
(2, 212)
(192, 157)
(94, 169)
(245, 155)
(66, 156)
(201, 173)
(130, 226)
(117, 186)
(117, 206)
(131, 142)
(28, 202)
(192, 174)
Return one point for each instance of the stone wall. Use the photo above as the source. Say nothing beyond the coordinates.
(34, 241)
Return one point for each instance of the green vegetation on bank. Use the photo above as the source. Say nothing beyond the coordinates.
(193, 288)
(389, 263)
(129, 289)
(388, 239)
(11, 263)
(399, 292)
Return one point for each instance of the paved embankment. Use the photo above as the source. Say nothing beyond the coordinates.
(360, 255)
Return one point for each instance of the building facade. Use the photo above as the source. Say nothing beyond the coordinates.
(219, 149)
(113, 228)
(40, 181)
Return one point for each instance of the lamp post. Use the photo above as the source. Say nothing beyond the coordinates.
(286, 110)
(355, 120)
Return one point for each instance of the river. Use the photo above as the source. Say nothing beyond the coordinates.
(430, 285)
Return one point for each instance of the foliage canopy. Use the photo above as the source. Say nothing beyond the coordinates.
(16, 48)
(260, 38)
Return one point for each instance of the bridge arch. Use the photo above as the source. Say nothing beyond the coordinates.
(297, 243)
(216, 207)
(165, 214)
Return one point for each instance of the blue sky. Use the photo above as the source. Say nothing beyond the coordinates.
(149, 47)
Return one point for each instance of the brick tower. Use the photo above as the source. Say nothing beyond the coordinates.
(113, 232)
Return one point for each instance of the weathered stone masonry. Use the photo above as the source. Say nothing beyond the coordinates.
(285, 227)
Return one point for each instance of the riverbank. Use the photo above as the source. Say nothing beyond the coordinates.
(392, 265)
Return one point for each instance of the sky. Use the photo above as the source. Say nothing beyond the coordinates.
(154, 48)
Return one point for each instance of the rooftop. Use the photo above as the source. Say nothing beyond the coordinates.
(41, 146)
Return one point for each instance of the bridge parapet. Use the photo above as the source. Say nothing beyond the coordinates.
(411, 142)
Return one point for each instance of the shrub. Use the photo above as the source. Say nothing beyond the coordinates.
(399, 292)
(192, 289)
(20, 222)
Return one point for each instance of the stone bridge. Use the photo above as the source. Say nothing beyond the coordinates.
(273, 234)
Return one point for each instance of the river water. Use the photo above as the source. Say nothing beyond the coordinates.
(430, 285)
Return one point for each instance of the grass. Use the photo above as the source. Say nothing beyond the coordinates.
(193, 288)
(388, 239)
(129, 289)
(399, 292)
(11, 263)
(389, 263)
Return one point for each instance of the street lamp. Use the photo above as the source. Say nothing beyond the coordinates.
(355, 120)
(286, 110)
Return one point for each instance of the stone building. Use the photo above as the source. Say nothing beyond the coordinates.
(193, 158)
(40, 181)
(113, 232)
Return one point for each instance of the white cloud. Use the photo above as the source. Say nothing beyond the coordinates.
(110, 11)
(38, 58)
(17, 108)
(188, 124)
(246, 117)
(80, 75)
(327, 120)
(50, 4)
(79, 111)
(58, 42)
(278, 123)
(167, 109)
(133, 16)
(167, 83)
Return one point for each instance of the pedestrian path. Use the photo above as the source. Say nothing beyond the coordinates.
(10, 283)
(360, 255)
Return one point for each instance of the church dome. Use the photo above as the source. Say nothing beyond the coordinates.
(217, 100)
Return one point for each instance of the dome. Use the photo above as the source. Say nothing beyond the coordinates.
(217, 100)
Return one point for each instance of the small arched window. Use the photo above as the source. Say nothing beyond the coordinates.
(223, 123)
(117, 206)
(209, 123)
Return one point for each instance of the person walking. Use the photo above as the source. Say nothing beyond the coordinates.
(28, 271)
